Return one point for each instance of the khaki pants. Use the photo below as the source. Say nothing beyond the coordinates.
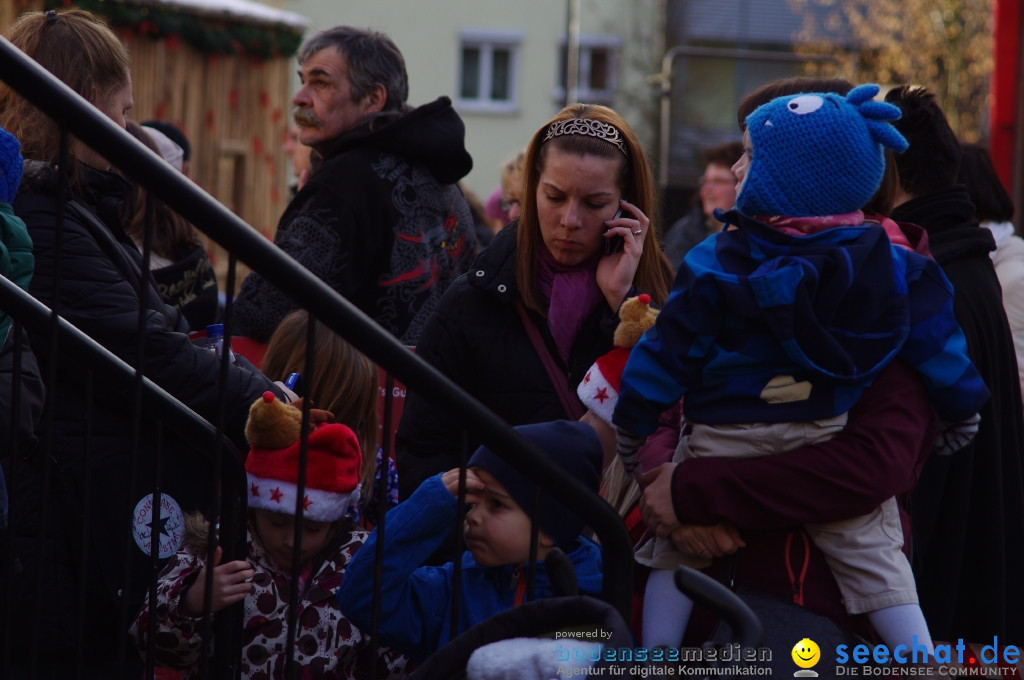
(864, 552)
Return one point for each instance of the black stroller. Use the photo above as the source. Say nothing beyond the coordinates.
(553, 637)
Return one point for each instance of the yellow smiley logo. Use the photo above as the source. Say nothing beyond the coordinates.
(806, 653)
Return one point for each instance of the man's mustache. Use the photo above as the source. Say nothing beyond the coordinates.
(304, 116)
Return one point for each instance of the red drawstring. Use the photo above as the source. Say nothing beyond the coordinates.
(520, 587)
(797, 581)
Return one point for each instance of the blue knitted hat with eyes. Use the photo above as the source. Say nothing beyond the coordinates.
(11, 165)
(818, 153)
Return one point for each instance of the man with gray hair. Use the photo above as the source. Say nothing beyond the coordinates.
(380, 219)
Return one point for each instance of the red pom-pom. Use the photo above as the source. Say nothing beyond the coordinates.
(644, 298)
(268, 396)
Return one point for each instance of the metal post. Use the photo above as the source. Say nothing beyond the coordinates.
(664, 78)
(572, 54)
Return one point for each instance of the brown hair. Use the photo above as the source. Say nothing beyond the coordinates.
(79, 49)
(170, 230)
(654, 273)
(787, 86)
(885, 196)
(344, 382)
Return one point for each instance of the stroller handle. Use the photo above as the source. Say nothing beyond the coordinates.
(707, 592)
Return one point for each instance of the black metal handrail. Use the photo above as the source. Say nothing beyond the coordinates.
(53, 97)
(117, 375)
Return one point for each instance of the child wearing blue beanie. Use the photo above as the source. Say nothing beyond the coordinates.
(776, 325)
(417, 599)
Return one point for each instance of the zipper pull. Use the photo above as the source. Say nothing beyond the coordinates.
(798, 594)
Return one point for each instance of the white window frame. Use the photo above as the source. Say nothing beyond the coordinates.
(487, 41)
(588, 44)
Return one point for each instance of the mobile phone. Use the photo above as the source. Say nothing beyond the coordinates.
(614, 244)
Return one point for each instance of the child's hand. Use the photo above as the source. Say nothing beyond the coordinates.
(716, 540)
(656, 504)
(474, 485)
(230, 585)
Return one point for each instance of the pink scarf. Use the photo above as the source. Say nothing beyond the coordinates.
(805, 226)
(572, 295)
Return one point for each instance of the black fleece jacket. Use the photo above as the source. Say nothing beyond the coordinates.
(381, 221)
(477, 339)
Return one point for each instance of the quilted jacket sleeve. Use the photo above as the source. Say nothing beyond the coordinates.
(101, 292)
(177, 642)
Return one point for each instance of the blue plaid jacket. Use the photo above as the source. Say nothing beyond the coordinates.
(762, 326)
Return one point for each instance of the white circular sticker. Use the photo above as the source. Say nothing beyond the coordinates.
(168, 525)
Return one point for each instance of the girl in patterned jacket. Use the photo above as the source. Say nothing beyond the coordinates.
(326, 645)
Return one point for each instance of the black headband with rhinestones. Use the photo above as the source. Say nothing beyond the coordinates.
(589, 128)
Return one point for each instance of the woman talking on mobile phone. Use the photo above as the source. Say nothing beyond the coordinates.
(540, 303)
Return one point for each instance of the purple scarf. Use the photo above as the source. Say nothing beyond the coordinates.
(572, 294)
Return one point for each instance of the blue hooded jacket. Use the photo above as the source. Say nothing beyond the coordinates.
(826, 312)
(416, 601)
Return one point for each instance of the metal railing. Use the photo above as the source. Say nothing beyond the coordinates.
(121, 378)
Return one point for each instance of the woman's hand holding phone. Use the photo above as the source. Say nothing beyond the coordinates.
(625, 235)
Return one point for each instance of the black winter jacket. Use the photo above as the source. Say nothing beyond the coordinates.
(968, 508)
(381, 221)
(92, 492)
(477, 339)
